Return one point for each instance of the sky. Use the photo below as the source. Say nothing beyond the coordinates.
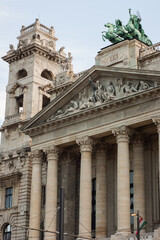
(78, 25)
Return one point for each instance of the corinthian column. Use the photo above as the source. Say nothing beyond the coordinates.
(51, 192)
(138, 167)
(101, 191)
(123, 180)
(35, 203)
(85, 187)
(156, 120)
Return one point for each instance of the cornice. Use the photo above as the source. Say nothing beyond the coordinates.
(29, 50)
(16, 175)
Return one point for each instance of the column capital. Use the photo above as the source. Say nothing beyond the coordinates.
(51, 152)
(122, 133)
(156, 121)
(137, 139)
(102, 146)
(85, 143)
(36, 156)
(69, 157)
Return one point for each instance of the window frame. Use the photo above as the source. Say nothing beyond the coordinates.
(6, 233)
(8, 197)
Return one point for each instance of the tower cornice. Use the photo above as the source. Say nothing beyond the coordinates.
(32, 49)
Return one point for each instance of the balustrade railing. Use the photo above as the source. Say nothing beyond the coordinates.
(149, 50)
(13, 118)
(33, 26)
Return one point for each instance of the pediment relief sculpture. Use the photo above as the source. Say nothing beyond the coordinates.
(97, 93)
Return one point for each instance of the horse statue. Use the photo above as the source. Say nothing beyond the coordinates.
(133, 26)
(121, 31)
(133, 29)
(110, 35)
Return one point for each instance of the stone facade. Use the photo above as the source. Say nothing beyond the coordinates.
(96, 134)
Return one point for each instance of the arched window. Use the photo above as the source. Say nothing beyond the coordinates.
(47, 74)
(7, 232)
(21, 74)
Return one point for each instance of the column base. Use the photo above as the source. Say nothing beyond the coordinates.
(121, 236)
(82, 237)
(157, 234)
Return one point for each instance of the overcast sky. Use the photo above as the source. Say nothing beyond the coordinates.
(78, 26)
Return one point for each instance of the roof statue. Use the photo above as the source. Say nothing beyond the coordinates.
(117, 33)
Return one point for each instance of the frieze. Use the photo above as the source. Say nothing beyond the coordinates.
(99, 93)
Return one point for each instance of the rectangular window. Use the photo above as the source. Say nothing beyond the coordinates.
(8, 197)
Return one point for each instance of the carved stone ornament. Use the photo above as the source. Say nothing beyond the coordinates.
(36, 157)
(69, 157)
(85, 143)
(156, 121)
(137, 139)
(11, 166)
(97, 94)
(122, 133)
(102, 146)
(51, 152)
(23, 154)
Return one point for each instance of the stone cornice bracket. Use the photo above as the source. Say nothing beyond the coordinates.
(52, 152)
(85, 143)
(122, 133)
(156, 121)
(36, 157)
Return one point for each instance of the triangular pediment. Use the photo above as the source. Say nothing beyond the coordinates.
(98, 86)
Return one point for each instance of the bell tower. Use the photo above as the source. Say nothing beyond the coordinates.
(33, 69)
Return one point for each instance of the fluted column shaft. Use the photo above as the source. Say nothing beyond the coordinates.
(156, 120)
(85, 187)
(35, 202)
(51, 192)
(139, 183)
(101, 192)
(123, 180)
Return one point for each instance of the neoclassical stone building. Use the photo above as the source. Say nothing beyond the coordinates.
(95, 133)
